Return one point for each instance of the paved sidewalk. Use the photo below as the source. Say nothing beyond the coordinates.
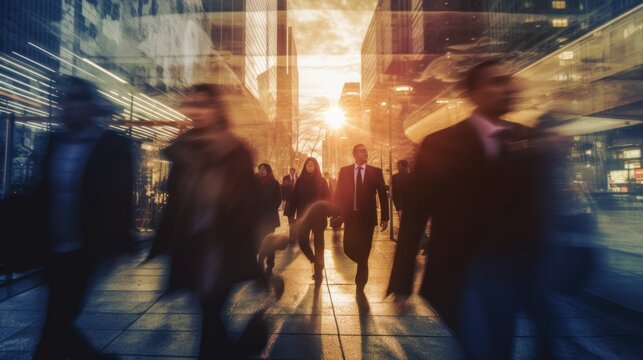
(130, 314)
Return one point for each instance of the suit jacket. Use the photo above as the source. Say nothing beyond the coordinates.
(286, 188)
(400, 186)
(106, 194)
(373, 182)
(477, 206)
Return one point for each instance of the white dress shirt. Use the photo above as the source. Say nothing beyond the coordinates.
(487, 132)
(355, 167)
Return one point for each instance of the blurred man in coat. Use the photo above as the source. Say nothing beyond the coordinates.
(479, 182)
(86, 194)
(287, 186)
(355, 201)
(400, 184)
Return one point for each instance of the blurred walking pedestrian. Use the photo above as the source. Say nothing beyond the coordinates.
(481, 182)
(269, 202)
(211, 224)
(310, 188)
(287, 185)
(400, 184)
(86, 194)
(355, 201)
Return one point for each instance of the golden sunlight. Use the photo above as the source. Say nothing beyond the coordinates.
(335, 117)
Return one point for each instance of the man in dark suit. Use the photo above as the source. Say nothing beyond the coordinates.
(355, 201)
(287, 185)
(400, 186)
(86, 197)
(479, 182)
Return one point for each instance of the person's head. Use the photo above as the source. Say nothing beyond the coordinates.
(82, 104)
(292, 171)
(311, 168)
(360, 154)
(491, 87)
(264, 169)
(204, 106)
(402, 166)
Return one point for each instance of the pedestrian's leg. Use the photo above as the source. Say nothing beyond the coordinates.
(361, 277)
(538, 304)
(270, 261)
(68, 280)
(366, 236)
(215, 343)
(488, 312)
(303, 235)
(293, 233)
(318, 238)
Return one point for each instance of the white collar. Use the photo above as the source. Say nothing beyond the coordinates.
(484, 127)
(355, 166)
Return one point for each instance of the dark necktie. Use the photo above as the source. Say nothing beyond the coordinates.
(359, 184)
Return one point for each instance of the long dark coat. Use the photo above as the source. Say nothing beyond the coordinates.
(307, 191)
(105, 207)
(269, 202)
(106, 191)
(210, 225)
(476, 207)
(400, 188)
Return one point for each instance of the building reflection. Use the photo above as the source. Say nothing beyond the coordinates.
(142, 54)
(578, 62)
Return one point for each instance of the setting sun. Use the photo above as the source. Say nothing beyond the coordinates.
(335, 117)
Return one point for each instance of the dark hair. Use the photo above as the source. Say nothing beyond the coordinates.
(266, 166)
(403, 163)
(213, 90)
(472, 77)
(101, 105)
(356, 146)
(317, 174)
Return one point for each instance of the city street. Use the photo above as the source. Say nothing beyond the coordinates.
(131, 314)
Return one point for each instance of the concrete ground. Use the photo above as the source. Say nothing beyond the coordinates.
(131, 314)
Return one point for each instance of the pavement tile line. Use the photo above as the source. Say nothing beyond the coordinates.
(134, 321)
(330, 295)
(598, 331)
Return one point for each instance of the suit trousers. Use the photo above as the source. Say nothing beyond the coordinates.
(495, 291)
(358, 240)
(68, 275)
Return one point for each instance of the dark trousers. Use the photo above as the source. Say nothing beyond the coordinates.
(270, 257)
(293, 234)
(67, 276)
(215, 343)
(494, 293)
(318, 241)
(358, 240)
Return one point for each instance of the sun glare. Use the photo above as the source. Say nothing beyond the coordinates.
(335, 117)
